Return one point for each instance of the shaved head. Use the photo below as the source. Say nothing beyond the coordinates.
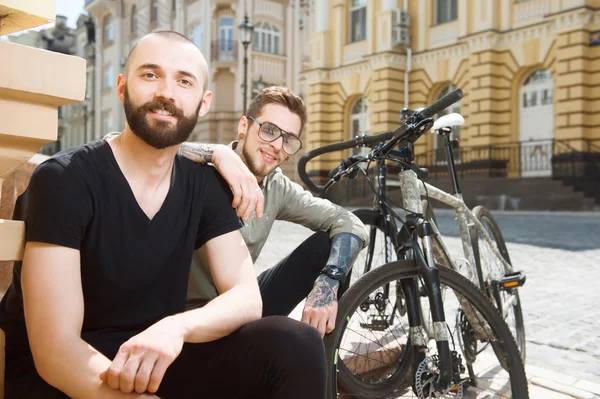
(174, 36)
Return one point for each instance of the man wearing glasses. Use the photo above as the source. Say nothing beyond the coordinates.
(316, 270)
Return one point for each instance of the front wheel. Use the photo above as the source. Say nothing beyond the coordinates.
(490, 269)
(370, 354)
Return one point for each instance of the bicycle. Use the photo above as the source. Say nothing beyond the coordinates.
(486, 260)
(383, 296)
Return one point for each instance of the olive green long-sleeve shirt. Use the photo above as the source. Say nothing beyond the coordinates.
(284, 200)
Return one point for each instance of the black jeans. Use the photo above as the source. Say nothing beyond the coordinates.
(271, 358)
(287, 283)
(274, 358)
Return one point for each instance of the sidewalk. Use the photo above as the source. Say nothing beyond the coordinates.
(543, 383)
(547, 384)
(550, 372)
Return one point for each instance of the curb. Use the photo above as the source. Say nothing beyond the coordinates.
(561, 383)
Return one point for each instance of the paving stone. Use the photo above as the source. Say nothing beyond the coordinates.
(560, 252)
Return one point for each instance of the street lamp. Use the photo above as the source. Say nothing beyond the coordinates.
(260, 85)
(246, 30)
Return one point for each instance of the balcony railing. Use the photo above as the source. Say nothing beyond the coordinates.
(224, 51)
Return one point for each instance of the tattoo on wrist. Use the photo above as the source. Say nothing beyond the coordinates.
(324, 292)
(197, 152)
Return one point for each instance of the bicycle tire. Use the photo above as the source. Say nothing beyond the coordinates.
(406, 269)
(515, 323)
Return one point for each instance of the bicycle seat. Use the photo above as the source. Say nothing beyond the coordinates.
(449, 120)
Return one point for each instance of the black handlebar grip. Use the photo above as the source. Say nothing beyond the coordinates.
(442, 103)
(377, 138)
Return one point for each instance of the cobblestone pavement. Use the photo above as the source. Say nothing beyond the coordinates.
(560, 252)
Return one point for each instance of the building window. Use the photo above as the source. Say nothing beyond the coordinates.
(445, 11)
(359, 121)
(197, 36)
(358, 20)
(440, 149)
(154, 11)
(109, 29)
(267, 38)
(226, 34)
(134, 25)
(109, 77)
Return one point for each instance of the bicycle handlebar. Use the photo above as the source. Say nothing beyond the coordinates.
(370, 141)
(344, 145)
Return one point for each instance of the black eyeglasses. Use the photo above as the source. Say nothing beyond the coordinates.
(269, 132)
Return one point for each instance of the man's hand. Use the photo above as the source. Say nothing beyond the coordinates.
(321, 305)
(142, 361)
(247, 195)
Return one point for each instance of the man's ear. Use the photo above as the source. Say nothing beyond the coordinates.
(121, 88)
(242, 128)
(206, 100)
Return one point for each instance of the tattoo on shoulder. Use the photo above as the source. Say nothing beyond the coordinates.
(197, 152)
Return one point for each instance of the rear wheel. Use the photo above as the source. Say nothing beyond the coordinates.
(371, 344)
(490, 268)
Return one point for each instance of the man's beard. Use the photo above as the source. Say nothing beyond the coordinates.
(162, 134)
(257, 171)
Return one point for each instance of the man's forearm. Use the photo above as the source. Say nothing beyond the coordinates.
(74, 367)
(345, 247)
(198, 152)
(223, 315)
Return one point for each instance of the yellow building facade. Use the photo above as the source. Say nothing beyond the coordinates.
(530, 71)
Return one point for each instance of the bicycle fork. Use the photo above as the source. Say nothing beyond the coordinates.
(430, 274)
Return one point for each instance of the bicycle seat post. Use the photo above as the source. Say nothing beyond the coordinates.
(450, 145)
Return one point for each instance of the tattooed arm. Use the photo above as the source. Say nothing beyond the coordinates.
(247, 195)
(320, 309)
(198, 152)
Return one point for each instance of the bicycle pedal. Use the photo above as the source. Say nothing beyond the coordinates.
(511, 280)
(376, 325)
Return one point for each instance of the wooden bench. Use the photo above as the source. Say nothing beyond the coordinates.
(12, 233)
(29, 101)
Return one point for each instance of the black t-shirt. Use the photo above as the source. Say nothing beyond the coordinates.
(134, 271)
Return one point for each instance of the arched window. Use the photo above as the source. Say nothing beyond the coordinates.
(359, 121)
(134, 25)
(109, 29)
(267, 38)
(539, 78)
(154, 11)
(440, 153)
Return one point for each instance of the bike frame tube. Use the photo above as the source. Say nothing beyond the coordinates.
(381, 207)
(464, 216)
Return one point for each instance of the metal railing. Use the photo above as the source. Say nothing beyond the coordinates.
(515, 159)
(224, 50)
(575, 162)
